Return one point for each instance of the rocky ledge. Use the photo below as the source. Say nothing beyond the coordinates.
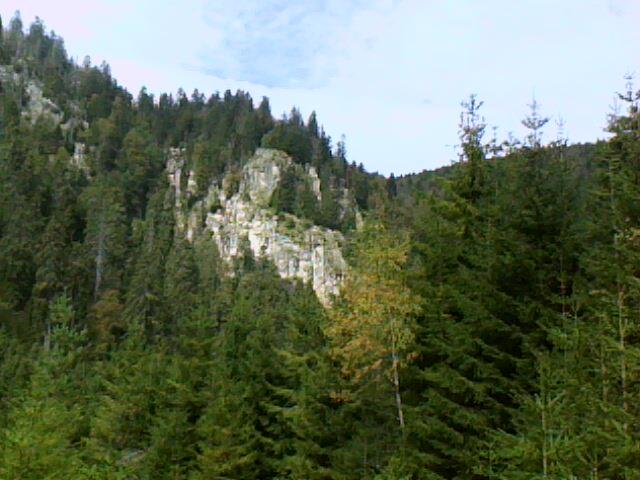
(240, 215)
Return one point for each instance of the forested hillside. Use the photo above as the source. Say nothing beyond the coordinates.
(163, 312)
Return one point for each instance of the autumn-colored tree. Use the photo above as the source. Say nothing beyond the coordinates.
(371, 327)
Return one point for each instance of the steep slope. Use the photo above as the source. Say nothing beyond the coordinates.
(237, 217)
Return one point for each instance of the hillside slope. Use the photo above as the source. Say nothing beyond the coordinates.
(191, 289)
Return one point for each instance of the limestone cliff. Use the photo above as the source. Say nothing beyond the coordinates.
(238, 212)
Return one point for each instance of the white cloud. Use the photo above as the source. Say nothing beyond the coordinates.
(280, 43)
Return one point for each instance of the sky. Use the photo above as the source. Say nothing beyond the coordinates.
(389, 75)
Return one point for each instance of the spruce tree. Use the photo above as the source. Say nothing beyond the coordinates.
(46, 420)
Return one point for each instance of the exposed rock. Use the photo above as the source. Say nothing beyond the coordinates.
(175, 164)
(7, 74)
(39, 106)
(192, 186)
(35, 107)
(74, 123)
(315, 182)
(79, 157)
(297, 249)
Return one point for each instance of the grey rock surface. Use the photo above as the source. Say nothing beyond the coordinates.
(298, 249)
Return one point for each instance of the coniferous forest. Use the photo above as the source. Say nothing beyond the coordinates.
(489, 326)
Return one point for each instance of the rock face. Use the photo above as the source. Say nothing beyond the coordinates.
(79, 157)
(40, 106)
(36, 106)
(236, 215)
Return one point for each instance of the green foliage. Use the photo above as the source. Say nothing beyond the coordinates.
(249, 426)
(488, 327)
(41, 433)
(291, 136)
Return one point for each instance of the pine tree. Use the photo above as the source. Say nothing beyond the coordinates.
(106, 232)
(575, 423)
(614, 296)
(144, 301)
(252, 426)
(468, 342)
(139, 162)
(45, 422)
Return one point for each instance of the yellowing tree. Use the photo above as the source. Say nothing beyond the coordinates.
(371, 326)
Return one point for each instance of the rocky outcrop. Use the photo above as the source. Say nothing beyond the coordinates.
(36, 106)
(239, 215)
(315, 182)
(79, 157)
(40, 107)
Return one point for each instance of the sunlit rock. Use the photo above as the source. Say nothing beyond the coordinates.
(232, 219)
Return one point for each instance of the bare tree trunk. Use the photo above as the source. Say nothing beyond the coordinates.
(396, 383)
(99, 260)
(365, 464)
(545, 460)
(622, 334)
(604, 373)
(47, 335)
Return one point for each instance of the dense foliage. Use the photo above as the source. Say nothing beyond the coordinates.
(490, 326)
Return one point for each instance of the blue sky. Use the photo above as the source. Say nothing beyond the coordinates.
(388, 74)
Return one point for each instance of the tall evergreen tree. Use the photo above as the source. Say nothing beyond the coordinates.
(40, 439)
